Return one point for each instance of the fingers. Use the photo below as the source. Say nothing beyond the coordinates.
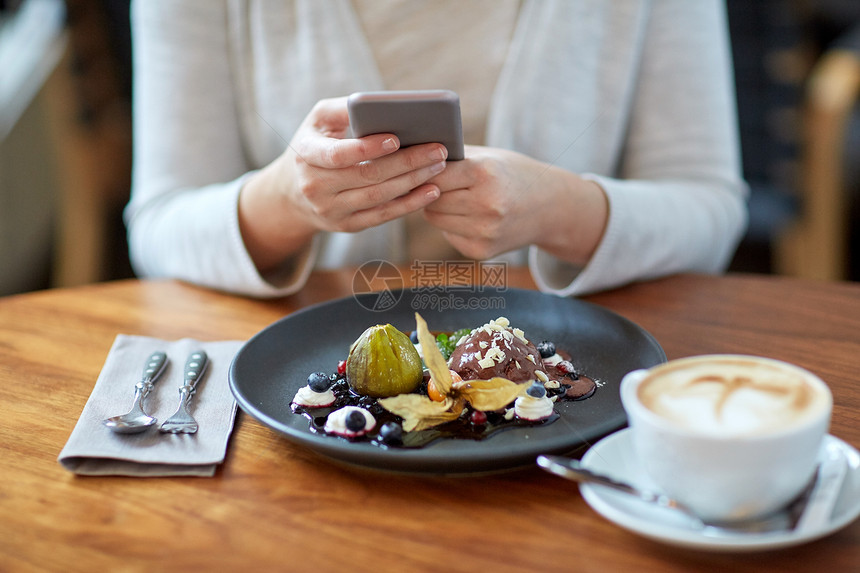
(411, 166)
(367, 184)
(386, 168)
(387, 200)
(458, 224)
(329, 117)
(322, 151)
(323, 140)
(414, 200)
(326, 141)
(347, 184)
(469, 173)
(455, 203)
(389, 189)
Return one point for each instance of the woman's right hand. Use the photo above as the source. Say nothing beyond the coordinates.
(325, 181)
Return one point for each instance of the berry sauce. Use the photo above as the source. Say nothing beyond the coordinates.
(471, 425)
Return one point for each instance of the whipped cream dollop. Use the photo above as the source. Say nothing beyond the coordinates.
(533, 409)
(310, 399)
(338, 422)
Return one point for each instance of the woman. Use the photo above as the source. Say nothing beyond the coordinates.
(604, 141)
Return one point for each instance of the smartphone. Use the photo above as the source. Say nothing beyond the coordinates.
(421, 116)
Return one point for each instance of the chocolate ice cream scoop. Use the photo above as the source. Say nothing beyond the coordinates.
(493, 350)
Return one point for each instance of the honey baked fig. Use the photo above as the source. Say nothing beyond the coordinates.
(383, 362)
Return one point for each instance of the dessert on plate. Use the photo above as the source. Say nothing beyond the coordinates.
(395, 390)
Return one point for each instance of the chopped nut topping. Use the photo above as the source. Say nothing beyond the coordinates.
(521, 335)
(495, 353)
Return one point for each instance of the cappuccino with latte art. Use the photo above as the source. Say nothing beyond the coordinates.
(733, 396)
(731, 436)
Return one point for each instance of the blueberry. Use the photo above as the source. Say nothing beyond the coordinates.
(413, 336)
(546, 349)
(536, 390)
(355, 421)
(391, 433)
(319, 382)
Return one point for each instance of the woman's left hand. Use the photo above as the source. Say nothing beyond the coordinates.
(497, 200)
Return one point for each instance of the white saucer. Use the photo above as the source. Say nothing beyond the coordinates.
(614, 456)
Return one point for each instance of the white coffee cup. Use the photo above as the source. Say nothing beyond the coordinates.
(731, 436)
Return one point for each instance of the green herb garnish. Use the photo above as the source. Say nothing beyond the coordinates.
(447, 342)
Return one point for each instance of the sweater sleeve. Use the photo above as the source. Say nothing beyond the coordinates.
(189, 159)
(677, 203)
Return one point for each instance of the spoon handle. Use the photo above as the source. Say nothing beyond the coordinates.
(195, 366)
(573, 470)
(828, 484)
(152, 370)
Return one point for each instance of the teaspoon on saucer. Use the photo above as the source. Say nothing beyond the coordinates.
(136, 420)
(785, 519)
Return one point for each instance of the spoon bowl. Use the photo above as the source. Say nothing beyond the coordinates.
(136, 420)
(131, 423)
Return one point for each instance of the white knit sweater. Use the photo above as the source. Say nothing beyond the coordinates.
(635, 94)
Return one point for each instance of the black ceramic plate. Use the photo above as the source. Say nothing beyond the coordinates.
(269, 369)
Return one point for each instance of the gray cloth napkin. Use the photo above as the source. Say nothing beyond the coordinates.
(93, 449)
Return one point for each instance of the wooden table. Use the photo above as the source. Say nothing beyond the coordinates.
(274, 506)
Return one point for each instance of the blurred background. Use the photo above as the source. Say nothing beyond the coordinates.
(65, 138)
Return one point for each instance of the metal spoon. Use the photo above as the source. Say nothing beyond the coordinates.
(783, 520)
(137, 420)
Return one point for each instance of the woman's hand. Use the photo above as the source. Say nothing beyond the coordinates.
(497, 200)
(325, 181)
